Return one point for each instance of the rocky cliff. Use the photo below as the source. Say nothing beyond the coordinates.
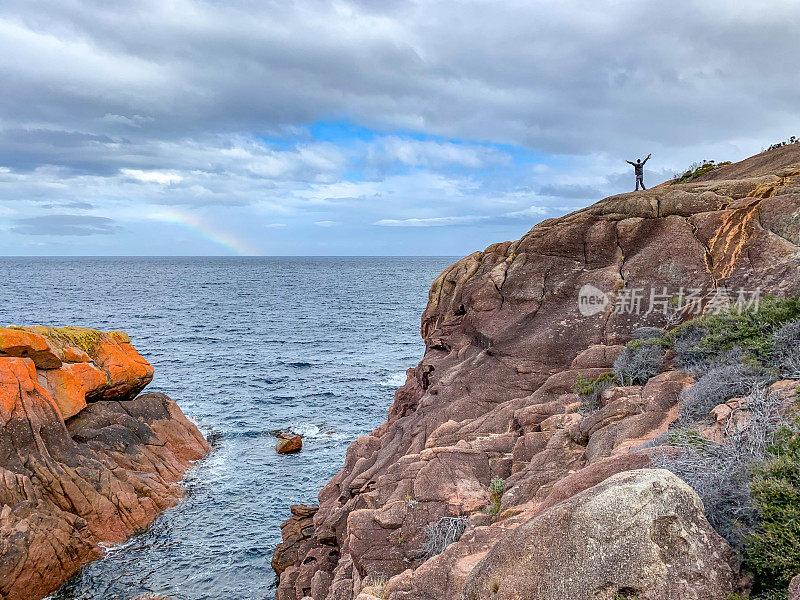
(84, 461)
(579, 513)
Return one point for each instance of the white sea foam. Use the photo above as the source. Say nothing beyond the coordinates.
(307, 430)
(394, 381)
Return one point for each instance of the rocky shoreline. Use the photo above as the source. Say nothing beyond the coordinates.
(581, 513)
(85, 460)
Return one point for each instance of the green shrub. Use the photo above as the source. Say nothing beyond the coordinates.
(589, 390)
(773, 550)
(767, 595)
(792, 140)
(497, 486)
(695, 170)
(750, 330)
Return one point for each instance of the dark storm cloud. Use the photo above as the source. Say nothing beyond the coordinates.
(60, 225)
(566, 76)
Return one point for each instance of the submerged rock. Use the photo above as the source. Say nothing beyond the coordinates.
(77, 476)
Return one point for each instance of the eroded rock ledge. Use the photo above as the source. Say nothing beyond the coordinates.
(493, 397)
(84, 461)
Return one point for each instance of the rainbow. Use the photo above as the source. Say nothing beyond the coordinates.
(202, 228)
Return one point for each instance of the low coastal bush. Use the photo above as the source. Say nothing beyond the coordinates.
(639, 361)
(792, 140)
(697, 169)
(375, 585)
(497, 487)
(721, 473)
(773, 549)
(785, 356)
(717, 386)
(750, 482)
(648, 333)
(589, 391)
(750, 331)
(442, 533)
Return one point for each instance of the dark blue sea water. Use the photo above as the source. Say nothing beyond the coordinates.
(246, 346)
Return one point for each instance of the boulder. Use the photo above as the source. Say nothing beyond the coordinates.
(77, 365)
(794, 588)
(125, 370)
(289, 443)
(638, 534)
(70, 384)
(296, 533)
(19, 342)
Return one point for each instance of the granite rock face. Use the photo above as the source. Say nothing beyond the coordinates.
(637, 534)
(83, 460)
(493, 396)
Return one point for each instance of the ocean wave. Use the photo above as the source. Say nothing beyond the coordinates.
(394, 381)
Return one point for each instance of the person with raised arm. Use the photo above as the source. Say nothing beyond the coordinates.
(638, 169)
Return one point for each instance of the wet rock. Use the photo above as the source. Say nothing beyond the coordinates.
(289, 443)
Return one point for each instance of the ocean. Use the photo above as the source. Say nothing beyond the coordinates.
(246, 346)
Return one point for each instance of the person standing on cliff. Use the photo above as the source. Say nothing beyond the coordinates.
(638, 168)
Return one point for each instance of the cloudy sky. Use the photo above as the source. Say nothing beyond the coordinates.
(364, 127)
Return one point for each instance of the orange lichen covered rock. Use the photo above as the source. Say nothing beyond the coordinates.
(19, 342)
(126, 372)
(70, 384)
(71, 354)
(75, 477)
(77, 365)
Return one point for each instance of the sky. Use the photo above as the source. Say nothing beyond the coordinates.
(368, 127)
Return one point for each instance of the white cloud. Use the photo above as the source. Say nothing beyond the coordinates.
(432, 221)
(430, 153)
(162, 177)
(530, 212)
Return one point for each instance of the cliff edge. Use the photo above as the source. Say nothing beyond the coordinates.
(84, 460)
(486, 436)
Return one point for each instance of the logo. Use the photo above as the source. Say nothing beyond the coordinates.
(591, 300)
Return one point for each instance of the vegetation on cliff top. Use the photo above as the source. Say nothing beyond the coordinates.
(749, 482)
(792, 140)
(695, 170)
